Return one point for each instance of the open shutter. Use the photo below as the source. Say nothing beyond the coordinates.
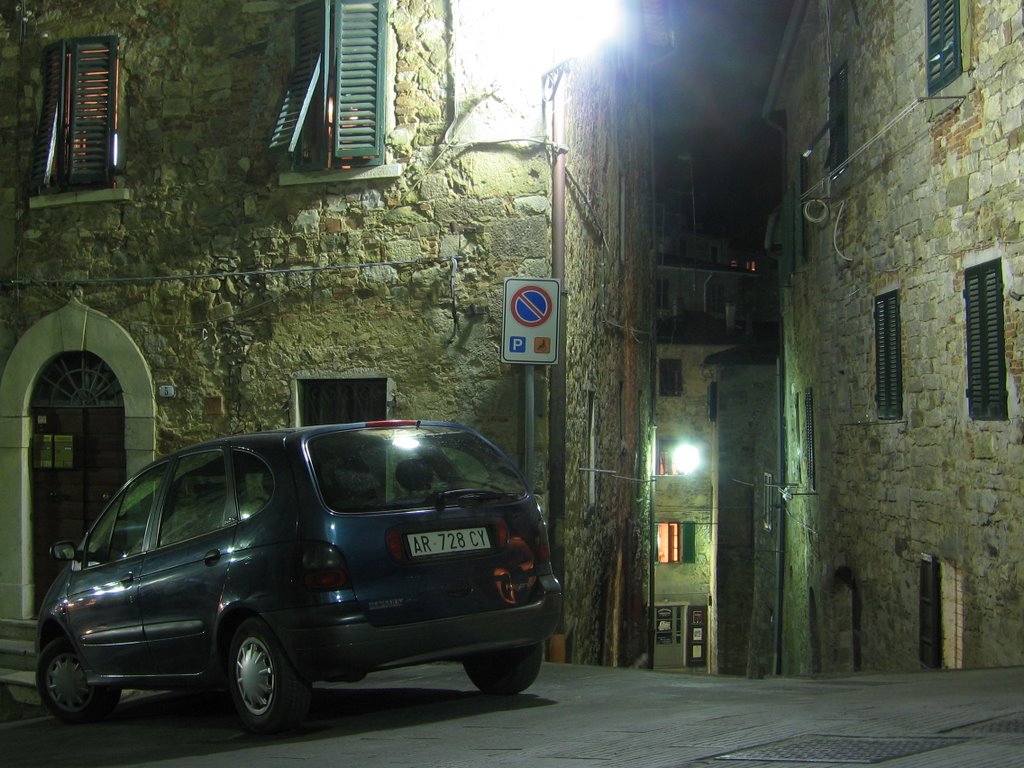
(92, 119)
(986, 361)
(360, 34)
(838, 117)
(307, 86)
(45, 145)
(888, 364)
(944, 64)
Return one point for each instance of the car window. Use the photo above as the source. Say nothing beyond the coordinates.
(362, 470)
(196, 498)
(121, 531)
(254, 483)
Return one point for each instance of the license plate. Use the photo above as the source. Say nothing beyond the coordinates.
(427, 543)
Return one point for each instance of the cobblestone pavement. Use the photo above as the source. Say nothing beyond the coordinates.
(573, 717)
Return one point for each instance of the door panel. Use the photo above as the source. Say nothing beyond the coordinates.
(78, 463)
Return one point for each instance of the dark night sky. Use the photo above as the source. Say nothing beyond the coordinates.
(714, 86)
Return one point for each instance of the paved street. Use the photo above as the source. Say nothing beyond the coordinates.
(573, 717)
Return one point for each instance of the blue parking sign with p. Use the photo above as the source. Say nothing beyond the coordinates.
(529, 321)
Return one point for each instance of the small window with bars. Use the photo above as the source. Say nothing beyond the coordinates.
(342, 401)
(888, 363)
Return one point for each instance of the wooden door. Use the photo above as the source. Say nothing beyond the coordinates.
(78, 462)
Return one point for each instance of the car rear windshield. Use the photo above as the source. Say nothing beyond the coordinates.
(375, 469)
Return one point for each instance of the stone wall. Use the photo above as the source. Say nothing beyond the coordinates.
(236, 278)
(932, 188)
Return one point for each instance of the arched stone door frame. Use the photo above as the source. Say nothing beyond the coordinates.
(75, 327)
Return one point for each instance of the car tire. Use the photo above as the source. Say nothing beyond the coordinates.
(267, 692)
(503, 673)
(64, 690)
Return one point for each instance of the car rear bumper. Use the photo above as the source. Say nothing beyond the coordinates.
(325, 644)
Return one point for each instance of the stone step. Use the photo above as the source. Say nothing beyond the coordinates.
(17, 644)
(18, 696)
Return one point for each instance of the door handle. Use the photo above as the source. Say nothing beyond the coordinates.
(127, 579)
(212, 557)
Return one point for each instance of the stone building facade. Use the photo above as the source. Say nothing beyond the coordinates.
(903, 264)
(202, 284)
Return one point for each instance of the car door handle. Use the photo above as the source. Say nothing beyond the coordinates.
(127, 579)
(212, 557)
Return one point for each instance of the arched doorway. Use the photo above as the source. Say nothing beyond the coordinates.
(73, 328)
(78, 456)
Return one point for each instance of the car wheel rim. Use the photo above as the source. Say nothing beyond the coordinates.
(254, 676)
(66, 684)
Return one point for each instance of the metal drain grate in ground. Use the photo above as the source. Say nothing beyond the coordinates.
(839, 749)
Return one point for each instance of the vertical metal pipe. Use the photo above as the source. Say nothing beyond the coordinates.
(529, 420)
(557, 383)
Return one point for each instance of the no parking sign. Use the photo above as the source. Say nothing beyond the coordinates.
(529, 324)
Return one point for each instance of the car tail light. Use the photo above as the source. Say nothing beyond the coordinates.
(323, 567)
(394, 541)
(542, 551)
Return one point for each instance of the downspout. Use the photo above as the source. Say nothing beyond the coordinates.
(557, 383)
(789, 38)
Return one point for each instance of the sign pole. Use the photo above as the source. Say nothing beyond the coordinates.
(529, 414)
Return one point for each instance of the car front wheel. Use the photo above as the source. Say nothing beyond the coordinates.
(504, 673)
(268, 694)
(63, 688)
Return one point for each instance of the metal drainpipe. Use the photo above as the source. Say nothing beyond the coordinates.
(557, 384)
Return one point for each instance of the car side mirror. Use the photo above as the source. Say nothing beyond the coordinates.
(63, 550)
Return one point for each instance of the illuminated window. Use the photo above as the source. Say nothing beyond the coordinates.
(75, 144)
(332, 114)
(677, 543)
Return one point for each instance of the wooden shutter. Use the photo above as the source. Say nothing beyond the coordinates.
(986, 359)
(944, 64)
(888, 362)
(809, 457)
(360, 63)
(75, 142)
(307, 87)
(44, 149)
(93, 110)
(838, 116)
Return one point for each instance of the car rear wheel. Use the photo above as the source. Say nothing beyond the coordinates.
(504, 673)
(63, 688)
(267, 692)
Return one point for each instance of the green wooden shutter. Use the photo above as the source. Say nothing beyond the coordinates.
(44, 148)
(888, 363)
(93, 110)
(944, 64)
(838, 117)
(689, 542)
(986, 359)
(307, 89)
(360, 63)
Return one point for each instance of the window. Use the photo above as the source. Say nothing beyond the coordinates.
(670, 378)
(121, 531)
(677, 543)
(944, 57)
(342, 401)
(76, 142)
(838, 117)
(986, 361)
(332, 115)
(254, 483)
(197, 498)
(809, 438)
(888, 363)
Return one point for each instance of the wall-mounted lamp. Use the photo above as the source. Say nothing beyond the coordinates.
(685, 459)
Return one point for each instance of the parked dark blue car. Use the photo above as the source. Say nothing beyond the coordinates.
(266, 562)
